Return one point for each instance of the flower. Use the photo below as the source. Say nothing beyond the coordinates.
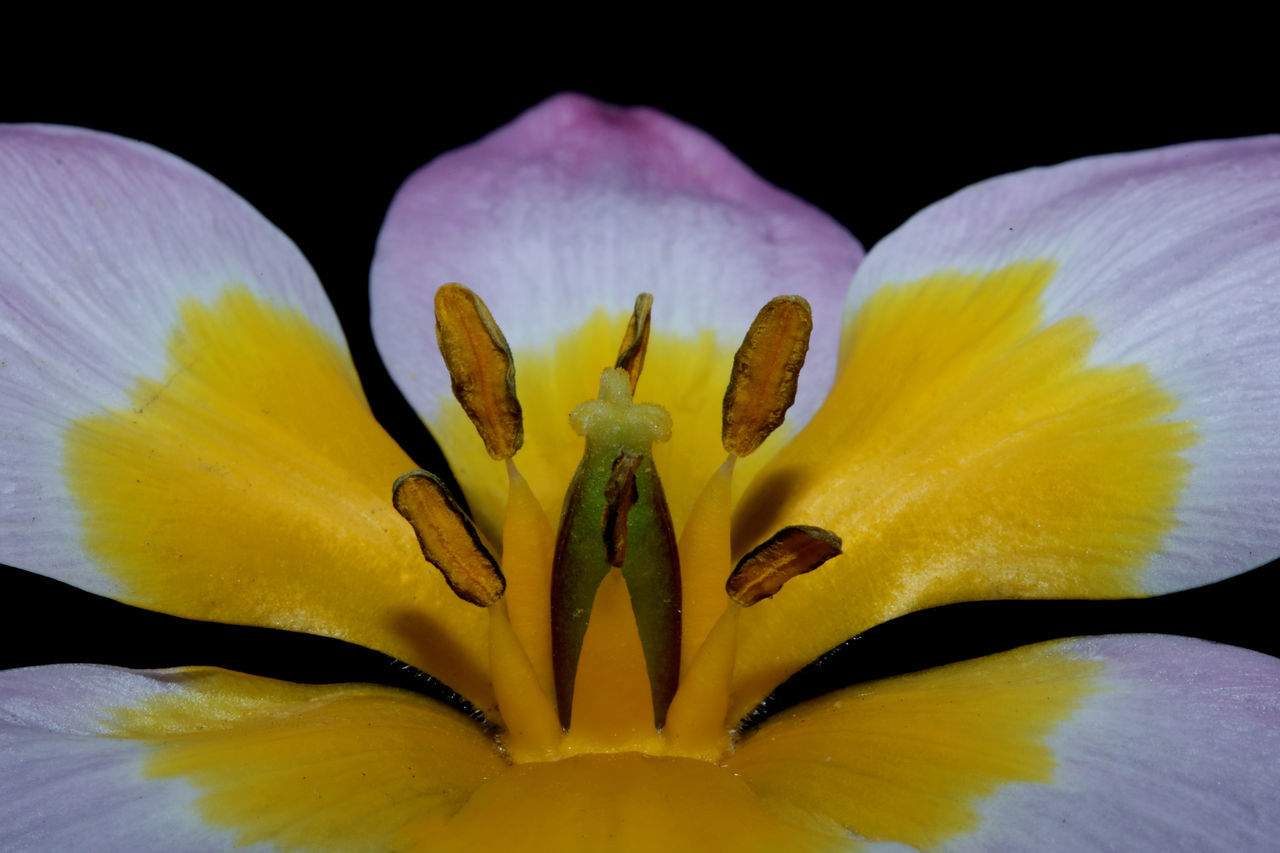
(1058, 383)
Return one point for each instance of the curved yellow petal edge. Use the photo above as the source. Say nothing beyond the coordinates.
(967, 452)
(312, 767)
(361, 767)
(251, 484)
(909, 758)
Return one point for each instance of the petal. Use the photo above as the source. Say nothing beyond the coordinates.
(1172, 255)
(1118, 743)
(570, 211)
(1060, 383)
(102, 758)
(68, 787)
(180, 424)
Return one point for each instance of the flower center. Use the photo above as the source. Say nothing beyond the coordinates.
(598, 641)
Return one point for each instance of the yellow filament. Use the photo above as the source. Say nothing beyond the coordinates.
(696, 726)
(533, 728)
(705, 560)
(528, 543)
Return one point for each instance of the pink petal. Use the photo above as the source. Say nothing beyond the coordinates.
(577, 206)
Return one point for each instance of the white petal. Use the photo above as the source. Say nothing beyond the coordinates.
(1178, 751)
(1174, 256)
(100, 240)
(1133, 743)
(66, 787)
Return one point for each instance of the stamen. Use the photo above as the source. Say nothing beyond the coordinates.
(480, 366)
(766, 370)
(636, 340)
(620, 494)
(790, 552)
(696, 725)
(447, 537)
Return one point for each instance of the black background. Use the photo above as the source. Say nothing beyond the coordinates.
(319, 144)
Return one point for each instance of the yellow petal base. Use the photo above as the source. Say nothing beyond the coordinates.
(619, 803)
(910, 758)
(251, 484)
(967, 452)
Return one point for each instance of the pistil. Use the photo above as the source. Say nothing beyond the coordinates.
(596, 534)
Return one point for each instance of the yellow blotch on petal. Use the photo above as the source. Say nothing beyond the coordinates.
(249, 483)
(686, 376)
(312, 767)
(966, 452)
(910, 759)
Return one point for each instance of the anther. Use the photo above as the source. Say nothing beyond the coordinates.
(635, 342)
(448, 539)
(790, 552)
(766, 370)
(481, 369)
(620, 494)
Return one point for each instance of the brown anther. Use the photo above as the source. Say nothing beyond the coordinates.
(636, 340)
(766, 370)
(790, 552)
(620, 495)
(448, 539)
(480, 366)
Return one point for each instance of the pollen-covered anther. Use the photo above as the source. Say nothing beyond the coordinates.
(481, 369)
(790, 552)
(635, 342)
(766, 371)
(448, 539)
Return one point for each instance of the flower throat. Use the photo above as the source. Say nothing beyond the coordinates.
(601, 643)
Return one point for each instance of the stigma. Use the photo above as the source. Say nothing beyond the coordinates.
(599, 640)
